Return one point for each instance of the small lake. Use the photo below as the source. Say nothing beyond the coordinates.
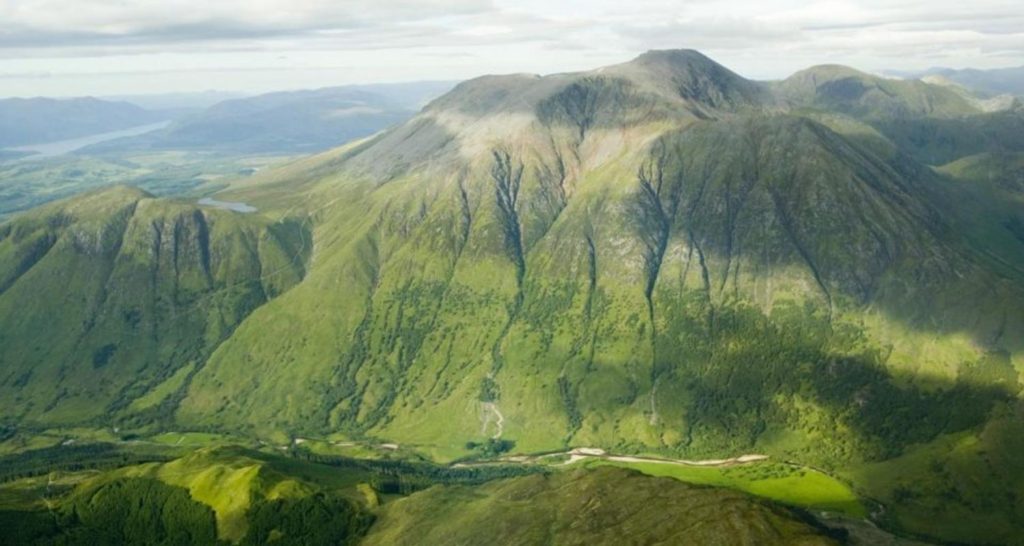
(61, 147)
(228, 205)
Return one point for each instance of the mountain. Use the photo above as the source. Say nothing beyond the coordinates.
(653, 257)
(178, 101)
(288, 122)
(936, 123)
(855, 93)
(40, 120)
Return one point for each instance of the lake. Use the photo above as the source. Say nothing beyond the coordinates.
(229, 205)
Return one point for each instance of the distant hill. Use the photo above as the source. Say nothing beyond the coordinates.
(992, 82)
(855, 93)
(178, 101)
(39, 120)
(290, 121)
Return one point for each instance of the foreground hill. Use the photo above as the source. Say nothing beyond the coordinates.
(237, 496)
(659, 256)
(602, 506)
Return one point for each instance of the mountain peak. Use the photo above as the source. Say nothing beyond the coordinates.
(672, 55)
(664, 62)
(694, 77)
(832, 71)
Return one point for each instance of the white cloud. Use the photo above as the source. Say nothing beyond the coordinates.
(155, 17)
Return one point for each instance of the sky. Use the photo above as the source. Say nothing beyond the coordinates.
(121, 47)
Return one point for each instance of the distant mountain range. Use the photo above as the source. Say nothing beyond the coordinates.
(41, 120)
(288, 122)
(988, 83)
(193, 101)
(282, 122)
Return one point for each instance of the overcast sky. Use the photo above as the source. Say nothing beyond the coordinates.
(104, 47)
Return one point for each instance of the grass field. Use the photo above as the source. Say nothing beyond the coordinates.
(797, 486)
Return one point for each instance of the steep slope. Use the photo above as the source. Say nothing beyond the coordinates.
(940, 141)
(1002, 169)
(106, 296)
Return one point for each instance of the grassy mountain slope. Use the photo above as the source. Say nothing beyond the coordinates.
(940, 141)
(106, 296)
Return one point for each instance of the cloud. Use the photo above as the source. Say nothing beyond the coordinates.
(776, 37)
(57, 23)
(461, 38)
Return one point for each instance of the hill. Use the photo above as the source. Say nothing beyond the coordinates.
(990, 82)
(238, 496)
(604, 506)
